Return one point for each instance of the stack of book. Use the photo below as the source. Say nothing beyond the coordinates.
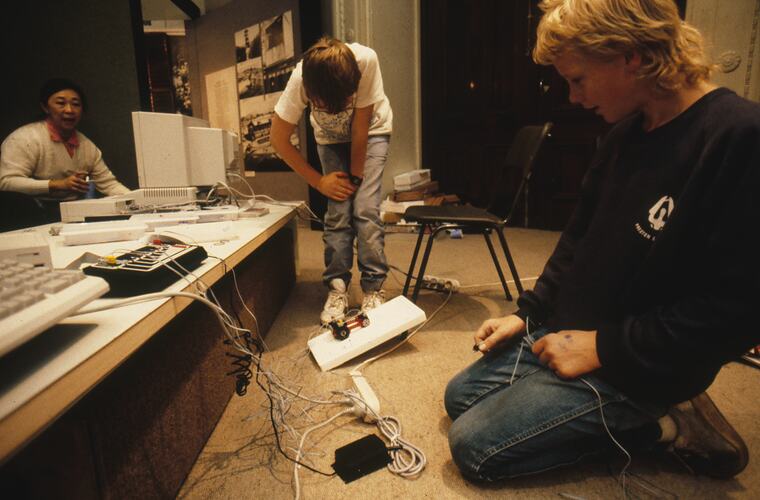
(411, 179)
(419, 192)
(411, 188)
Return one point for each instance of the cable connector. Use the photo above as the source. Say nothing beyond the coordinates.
(367, 406)
(440, 284)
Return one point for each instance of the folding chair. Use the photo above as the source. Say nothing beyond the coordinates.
(522, 154)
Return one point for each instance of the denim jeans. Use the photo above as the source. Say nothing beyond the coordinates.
(510, 421)
(358, 217)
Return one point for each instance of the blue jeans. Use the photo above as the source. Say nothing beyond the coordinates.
(358, 217)
(510, 421)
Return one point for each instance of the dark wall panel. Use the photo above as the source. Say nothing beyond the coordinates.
(89, 41)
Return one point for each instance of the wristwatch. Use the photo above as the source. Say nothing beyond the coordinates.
(355, 180)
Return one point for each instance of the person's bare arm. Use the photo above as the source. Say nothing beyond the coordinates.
(335, 185)
(359, 138)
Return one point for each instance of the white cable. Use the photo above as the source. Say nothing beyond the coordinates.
(204, 290)
(245, 181)
(408, 337)
(407, 459)
(231, 192)
(495, 283)
(273, 201)
(281, 395)
(144, 298)
(165, 206)
(529, 340)
(248, 310)
(609, 433)
(297, 466)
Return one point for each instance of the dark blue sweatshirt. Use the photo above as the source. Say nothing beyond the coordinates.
(658, 257)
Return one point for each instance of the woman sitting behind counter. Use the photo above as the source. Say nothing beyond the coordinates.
(50, 159)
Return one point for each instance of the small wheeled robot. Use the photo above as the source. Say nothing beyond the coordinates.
(341, 328)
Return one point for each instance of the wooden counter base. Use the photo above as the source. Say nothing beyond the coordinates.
(139, 432)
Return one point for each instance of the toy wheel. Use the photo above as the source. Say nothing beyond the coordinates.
(343, 332)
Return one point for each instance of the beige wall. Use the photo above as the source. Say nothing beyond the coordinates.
(211, 35)
(391, 27)
(727, 28)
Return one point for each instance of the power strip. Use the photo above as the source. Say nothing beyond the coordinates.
(369, 406)
(440, 284)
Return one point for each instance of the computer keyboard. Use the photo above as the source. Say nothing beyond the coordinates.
(34, 298)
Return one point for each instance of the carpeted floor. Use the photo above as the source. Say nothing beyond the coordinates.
(240, 459)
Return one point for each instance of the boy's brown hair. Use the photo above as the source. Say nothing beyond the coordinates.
(330, 74)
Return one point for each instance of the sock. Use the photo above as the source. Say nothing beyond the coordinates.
(668, 429)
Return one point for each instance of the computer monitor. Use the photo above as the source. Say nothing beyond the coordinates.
(175, 150)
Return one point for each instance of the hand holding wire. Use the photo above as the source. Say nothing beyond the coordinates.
(494, 331)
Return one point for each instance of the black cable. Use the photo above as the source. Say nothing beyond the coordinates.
(274, 425)
(415, 278)
(241, 362)
(243, 375)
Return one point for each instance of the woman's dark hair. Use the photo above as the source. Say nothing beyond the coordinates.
(330, 74)
(54, 85)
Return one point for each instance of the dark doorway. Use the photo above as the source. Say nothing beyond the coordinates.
(158, 61)
(479, 85)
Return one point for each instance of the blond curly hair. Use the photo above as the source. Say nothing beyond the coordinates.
(671, 50)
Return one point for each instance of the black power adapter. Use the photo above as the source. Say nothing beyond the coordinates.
(362, 457)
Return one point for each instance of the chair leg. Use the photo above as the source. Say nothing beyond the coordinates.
(410, 273)
(425, 258)
(487, 237)
(510, 262)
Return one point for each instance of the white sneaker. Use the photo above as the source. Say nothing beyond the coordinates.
(373, 299)
(336, 303)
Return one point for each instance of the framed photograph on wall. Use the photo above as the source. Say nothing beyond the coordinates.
(265, 58)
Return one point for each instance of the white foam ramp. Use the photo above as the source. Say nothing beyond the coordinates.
(385, 322)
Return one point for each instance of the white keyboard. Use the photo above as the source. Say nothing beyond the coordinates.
(32, 299)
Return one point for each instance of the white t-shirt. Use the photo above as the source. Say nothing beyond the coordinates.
(336, 128)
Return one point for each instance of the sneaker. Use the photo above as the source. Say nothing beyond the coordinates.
(336, 303)
(706, 443)
(373, 299)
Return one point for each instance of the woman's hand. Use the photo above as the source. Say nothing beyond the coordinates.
(569, 353)
(75, 182)
(336, 186)
(494, 331)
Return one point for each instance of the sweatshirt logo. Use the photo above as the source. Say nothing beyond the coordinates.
(660, 211)
(658, 217)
